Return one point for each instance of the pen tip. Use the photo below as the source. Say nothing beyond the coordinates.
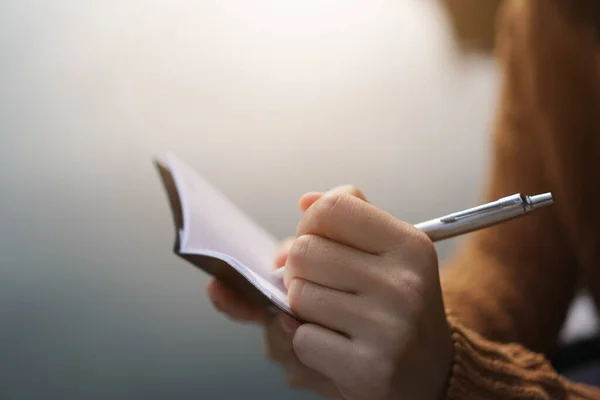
(540, 200)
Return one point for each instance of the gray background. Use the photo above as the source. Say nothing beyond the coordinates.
(268, 100)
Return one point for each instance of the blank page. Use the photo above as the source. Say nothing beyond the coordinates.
(215, 226)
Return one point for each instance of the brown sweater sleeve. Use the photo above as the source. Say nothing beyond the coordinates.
(513, 283)
(487, 370)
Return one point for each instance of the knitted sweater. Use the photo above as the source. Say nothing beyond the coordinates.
(508, 288)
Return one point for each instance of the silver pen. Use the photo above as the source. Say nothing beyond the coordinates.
(483, 216)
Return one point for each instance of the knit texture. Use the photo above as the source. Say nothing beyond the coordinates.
(513, 283)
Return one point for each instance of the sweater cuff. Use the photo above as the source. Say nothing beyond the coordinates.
(486, 370)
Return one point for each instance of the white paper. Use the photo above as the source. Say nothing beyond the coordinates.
(214, 226)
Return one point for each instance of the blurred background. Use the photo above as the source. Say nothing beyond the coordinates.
(267, 99)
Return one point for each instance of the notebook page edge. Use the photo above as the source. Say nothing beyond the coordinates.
(271, 287)
(179, 169)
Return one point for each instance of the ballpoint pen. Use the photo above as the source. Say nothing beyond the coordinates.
(483, 216)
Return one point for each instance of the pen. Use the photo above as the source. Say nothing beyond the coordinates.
(483, 216)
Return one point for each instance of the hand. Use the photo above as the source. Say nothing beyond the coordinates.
(367, 286)
(239, 310)
(279, 329)
(278, 334)
(305, 202)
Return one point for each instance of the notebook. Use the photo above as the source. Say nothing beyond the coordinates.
(215, 235)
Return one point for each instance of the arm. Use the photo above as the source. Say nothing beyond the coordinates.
(513, 283)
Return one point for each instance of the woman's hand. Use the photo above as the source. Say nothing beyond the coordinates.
(368, 287)
(278, 330)
(235, 307)
(305, 202)
(278, 334)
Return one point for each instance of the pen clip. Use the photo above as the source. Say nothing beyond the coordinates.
(515, 199)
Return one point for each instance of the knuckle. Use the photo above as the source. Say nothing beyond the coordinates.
(400, 238)
(424, 247)
(414, 246)
(300, 249)
(393, 285)
(353, 190)
(391, 326)
(410, 283)
(409, 291)
(327, 205)
(405, 290)
(387, 284)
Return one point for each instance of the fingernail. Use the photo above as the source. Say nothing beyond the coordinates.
(308, 197)
(280, 259)
(288, 323)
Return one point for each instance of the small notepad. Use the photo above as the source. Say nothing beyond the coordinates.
(218, 237)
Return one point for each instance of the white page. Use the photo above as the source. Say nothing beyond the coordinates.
(214, 226)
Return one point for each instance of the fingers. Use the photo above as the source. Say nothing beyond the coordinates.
(309, 198)
(282, 254)
(328, 263)
(359, 372)
(322, 350)
(278, 341)
(348, 220)
(305, 202)
(232, 305)
(339, 311)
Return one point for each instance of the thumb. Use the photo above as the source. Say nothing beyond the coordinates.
(308, 199)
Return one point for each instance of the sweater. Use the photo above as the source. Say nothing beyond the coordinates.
(507, 289)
